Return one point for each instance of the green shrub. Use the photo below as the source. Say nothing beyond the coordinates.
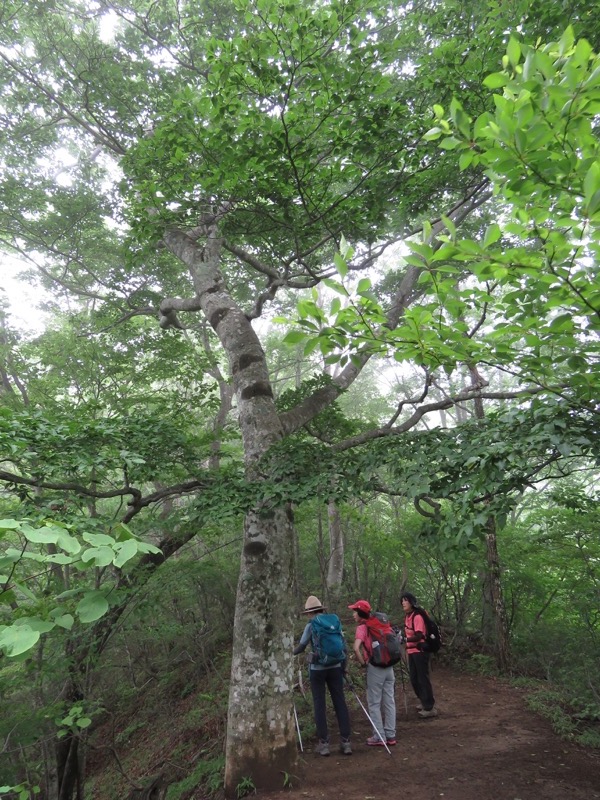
(208, 776)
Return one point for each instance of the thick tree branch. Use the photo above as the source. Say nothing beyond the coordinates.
(138, 502)
(67, 486)
(440, 405)
(251, 260)
(305, 411)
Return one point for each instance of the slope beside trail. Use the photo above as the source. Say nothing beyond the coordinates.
(484, 745)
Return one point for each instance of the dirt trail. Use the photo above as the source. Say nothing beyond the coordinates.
(484, 745)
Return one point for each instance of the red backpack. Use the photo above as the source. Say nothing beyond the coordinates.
(385, 644)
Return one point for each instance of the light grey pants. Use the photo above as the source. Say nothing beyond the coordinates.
(380, 697)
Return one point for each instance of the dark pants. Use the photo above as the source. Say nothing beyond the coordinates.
(333, 679)
(418, 669)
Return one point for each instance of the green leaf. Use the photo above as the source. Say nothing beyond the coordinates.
(346, 250)
(591, 182)
(18, 639)
(101, 556)
(65, 621)
(40, 625)
(450, 143)
(146, 547)
(126, 551)
(336, 286)
(59, 558)
(23, 589)
(567, 41)
(68, 543)
(513, 51)
(492, 235)
(92, 606)
(466, 159)
(340, 265)
(98, 539)
(123, 533)
(294, 337)
(433, 134)
(450, 226)
(495, 80)
(41, 536)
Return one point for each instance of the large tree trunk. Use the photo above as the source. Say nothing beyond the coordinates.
(261, 742)
(260, 728)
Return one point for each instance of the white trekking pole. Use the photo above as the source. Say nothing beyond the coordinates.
(300, 685)
(359, 701)
(298, 729)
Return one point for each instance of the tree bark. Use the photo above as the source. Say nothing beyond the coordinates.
(496, 598)
(493, 594)
(335, 565)
(261, 742)
(260, 728)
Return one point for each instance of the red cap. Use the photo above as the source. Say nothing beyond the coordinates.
(361, 605)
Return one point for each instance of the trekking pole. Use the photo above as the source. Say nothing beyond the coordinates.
(359, 701)
(298, 728)
(403, 687)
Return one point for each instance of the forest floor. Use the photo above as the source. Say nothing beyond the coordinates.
(484, 745)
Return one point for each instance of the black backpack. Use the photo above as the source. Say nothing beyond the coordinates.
(433, 639)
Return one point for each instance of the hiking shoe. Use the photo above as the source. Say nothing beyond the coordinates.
(426, 714)
(374, 741)
(419, 707)
(391, 742)
(345, 747)
(322, 748)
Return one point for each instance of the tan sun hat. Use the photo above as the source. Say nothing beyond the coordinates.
(312, 604)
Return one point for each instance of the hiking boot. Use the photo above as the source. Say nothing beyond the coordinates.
(374, 741)
(426, 714)
(345, 747)
(322, 748)
(391, 742)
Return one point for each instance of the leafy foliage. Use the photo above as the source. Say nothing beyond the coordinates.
(21, 564)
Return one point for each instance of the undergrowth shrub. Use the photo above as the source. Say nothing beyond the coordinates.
(207, 776)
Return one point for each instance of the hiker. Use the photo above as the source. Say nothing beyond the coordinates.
(328, 674)
(418, 661)
(380, 680)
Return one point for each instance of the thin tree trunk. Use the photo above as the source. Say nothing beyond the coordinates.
(496, 596)
(493, 594)
(335, 566)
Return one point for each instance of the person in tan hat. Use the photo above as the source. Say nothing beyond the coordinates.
(327, 663)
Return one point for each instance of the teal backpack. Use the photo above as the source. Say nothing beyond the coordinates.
(328, 643)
